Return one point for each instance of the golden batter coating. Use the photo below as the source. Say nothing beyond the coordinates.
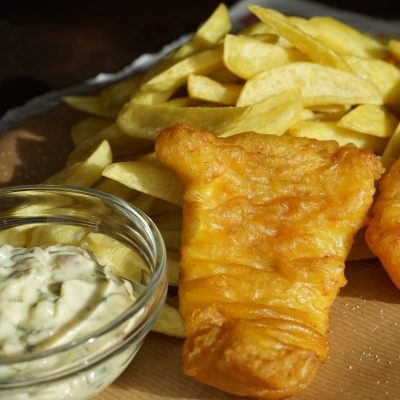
(267, 224)
(383, 232)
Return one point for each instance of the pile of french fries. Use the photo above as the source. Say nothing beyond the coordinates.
(283, 75)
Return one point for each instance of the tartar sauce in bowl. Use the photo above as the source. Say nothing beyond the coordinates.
(73, 313)
(52, 296)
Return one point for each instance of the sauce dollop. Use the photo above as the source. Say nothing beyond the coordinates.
(54, 295)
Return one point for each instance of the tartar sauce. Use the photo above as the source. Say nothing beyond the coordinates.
(54, 295)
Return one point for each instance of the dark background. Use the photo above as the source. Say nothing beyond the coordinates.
(48, 45)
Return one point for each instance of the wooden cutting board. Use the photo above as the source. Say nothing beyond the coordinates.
(364, 361)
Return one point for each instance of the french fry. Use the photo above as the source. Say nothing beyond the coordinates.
(224, 75)
(90, 104)
(144, 202)
(239, 56)
(147, 176)
(183, 102)
(319, 85)
(17, 236)
(346, 40)
(85, 173)
(115, 188)
(273, 115)
(330, 131)
(201, 63)
(46, 235)
(113, 97)
(392, 150)
(204, 88)
(121, 144)
(121, 259)
(385, 76)
(151, 97)
(209, 34)
(88, 127)
(373, 120)
(394, 48)
(309, 46)
(146, 121)
(169, 322)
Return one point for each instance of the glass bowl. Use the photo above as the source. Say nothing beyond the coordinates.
(39, 215)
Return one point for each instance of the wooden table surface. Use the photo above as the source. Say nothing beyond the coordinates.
(47, 44)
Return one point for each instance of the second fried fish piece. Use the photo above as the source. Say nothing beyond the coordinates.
(267, 224)
(383, 232)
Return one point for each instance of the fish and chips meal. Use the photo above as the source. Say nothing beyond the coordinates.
(256, 153)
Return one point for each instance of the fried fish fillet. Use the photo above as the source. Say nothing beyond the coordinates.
(383, 232)
(267, 224)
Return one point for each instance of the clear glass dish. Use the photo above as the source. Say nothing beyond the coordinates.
(82, 368)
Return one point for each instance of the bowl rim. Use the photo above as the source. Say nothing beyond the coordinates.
(157, 247)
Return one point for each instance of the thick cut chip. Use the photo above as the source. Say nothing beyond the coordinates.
(392, 150)
(323, 130)
(88, 127)
(346, 40)
(204, 88)
(121, 144)
(272, 116)
(385, 76)
(175, 76)
(394, 48)
(184, 102)
(116, 95)
(151, 97)
(115, 188)
(319, 85)
(169, 322)
(259, 28)
(224, 75)
(91, 105)
(87, 172)
(267, 224)
(147, 121)
(144, 202)
(17, 236)
(147, 176)
(309, 46)
(46, 235)
(247, 56)
(373, 120)
(121, 259)
(209, 34)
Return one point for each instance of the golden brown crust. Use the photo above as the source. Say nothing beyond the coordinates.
(268, 222)
(383, 232)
